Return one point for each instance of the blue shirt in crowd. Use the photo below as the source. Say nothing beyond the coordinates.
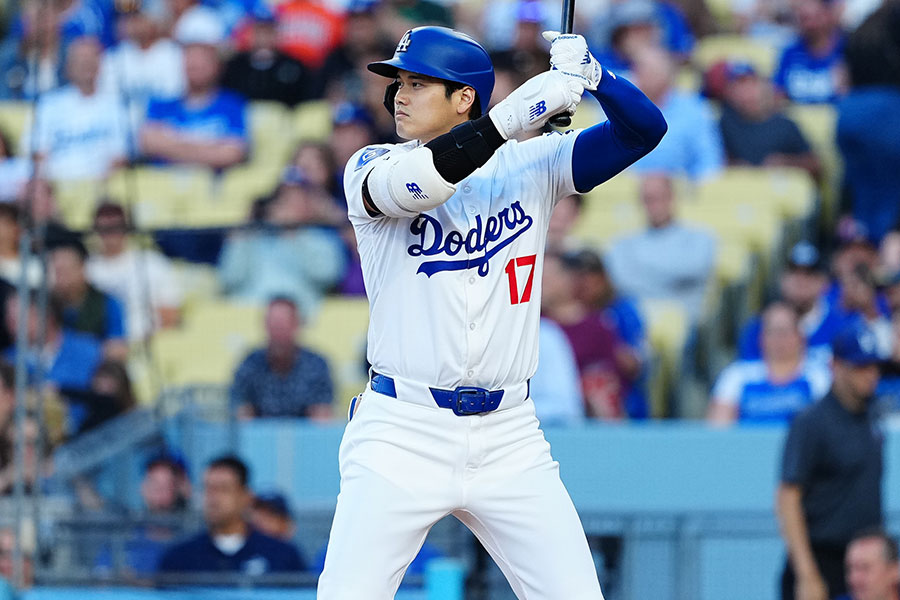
(71, 368)
(624, 314)
(809, 79)
(692, 146)
(259, 555)
(288, 394)
(223, 116)
(748, 385)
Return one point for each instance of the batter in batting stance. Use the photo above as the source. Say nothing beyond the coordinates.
(451, 228)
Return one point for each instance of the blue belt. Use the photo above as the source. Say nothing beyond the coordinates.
(462, 401)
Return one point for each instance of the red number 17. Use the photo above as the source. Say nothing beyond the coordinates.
(521, 261)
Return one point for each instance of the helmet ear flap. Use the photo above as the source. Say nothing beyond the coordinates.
(390, 92)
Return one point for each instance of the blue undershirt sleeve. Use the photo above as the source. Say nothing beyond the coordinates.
(634, 128)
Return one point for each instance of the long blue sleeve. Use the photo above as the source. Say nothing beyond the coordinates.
(634, 128)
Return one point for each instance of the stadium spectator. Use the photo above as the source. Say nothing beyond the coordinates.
(555, 387)
(145, 64)
(594, 287)
(38, 201)
(288, 254)
(528, 53)
(562, 220)
(892, 292)
(207, 126)
(10, 260)
(627, 28)
(111, 393)
(283, 379)
(765, 22)
(308, 30)
(8, 435)
(85, 308)
(859, 300)
(191, 19)
(31, 63)
(606, 366)
(871, 566)
(777, 387)
(80, 131)
(165, 488)
(855, 249)
(14, 171)
(272, 516)
(352, 128)
(810, 69)
(802, 285)
(263, 72)
(870, 153)
(7, 551)
(831, 473)
(316, 161)
(344, 70)
(754, 132)
(692, 146)
(668, 259)
(67, 358)
(142, 279)
(229, 543)
(165, 492)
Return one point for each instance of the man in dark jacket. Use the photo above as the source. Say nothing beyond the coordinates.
(229, 544)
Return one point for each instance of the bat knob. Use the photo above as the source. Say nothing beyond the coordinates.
(561, 120)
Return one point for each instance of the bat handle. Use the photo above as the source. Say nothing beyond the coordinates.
(561, 120)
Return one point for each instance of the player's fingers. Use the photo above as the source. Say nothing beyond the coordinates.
(550, 35)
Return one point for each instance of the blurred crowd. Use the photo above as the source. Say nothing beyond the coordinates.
(170, 84)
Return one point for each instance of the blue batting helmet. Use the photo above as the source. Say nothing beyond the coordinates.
(443, 53)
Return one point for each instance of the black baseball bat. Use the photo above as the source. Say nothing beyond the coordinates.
(566, 25)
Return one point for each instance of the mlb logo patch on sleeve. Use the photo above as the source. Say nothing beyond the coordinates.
(368, 156)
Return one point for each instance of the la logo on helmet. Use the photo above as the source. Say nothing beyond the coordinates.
(403, 46)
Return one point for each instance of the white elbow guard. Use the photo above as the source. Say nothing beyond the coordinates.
(408, 184)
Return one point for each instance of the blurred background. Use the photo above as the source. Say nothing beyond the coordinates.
(180, 282)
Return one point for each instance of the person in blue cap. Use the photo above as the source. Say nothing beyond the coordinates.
(831, 472)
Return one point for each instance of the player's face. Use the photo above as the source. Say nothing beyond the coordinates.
(869, 575)
(422, 110)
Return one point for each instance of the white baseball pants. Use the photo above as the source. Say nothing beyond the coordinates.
(405, 466)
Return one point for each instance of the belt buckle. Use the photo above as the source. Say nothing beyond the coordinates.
(470, 400)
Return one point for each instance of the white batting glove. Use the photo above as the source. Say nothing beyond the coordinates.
(569, 53)
(532, 104)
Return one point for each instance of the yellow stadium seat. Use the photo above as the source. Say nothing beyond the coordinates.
(667, 331)
(270, 132)
(235, 193)
(730, 47)
(790, 192)
(161, 196)
(207, 349)
(14, 117)
(199, 283)
(77, 199)
(338, 331)
(312, 120)
(818, 122)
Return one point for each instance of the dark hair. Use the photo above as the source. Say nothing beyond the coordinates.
(108, 208)
(233, 464)
(10, 211)
(6, 143)
(452, 86)
(167, 461)
(117, 371)
(891, 553)
(7, 375)
(284, 300)
(75, 245)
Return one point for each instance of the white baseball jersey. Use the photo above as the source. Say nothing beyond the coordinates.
(455, 292)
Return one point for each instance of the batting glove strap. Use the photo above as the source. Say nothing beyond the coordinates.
(530, 105)
(569, 53)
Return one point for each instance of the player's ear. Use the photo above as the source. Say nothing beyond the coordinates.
(466, 100)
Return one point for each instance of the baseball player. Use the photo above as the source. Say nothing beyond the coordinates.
(451, 227)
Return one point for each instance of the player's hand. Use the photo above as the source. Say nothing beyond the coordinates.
(530, 105)
(569, 53)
